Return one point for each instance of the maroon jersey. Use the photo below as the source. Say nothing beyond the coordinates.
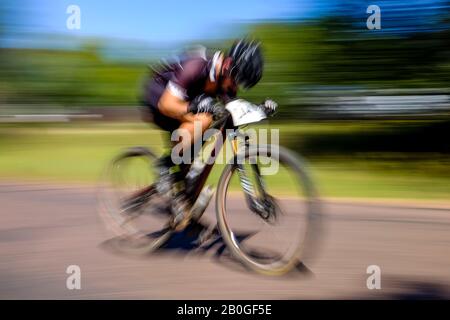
(185, 79)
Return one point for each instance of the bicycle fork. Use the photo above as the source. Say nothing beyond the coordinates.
(256, 198)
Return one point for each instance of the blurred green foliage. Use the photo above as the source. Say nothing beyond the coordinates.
(405, 159)
(78, 152)
(321, 52)
(67, 78)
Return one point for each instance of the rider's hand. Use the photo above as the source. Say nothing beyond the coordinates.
(269, 106)
(207, 104)
(202, 103)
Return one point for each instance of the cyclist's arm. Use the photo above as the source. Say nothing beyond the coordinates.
(174, 106)
(173, 103)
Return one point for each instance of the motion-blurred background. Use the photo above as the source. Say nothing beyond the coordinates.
(368, 108)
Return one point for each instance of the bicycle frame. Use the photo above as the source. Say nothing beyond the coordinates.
(223, 126)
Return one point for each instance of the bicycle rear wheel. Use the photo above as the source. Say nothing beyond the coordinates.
(130, 204)
(270, 241)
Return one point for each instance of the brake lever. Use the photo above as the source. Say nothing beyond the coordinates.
(268, 111)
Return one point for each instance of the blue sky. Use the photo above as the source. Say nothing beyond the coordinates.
(181, 21)
(156, 20)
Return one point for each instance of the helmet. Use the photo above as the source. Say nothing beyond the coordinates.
(247, 62)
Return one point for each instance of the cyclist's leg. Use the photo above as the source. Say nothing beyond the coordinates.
(181, 202)
(195, 127)
(164, 163)
(190, 124)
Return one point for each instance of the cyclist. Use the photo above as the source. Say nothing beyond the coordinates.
(188, 90)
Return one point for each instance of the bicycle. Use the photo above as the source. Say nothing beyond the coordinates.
(122, 206)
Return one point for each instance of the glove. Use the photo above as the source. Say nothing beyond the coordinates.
(269, 106)
(202, 103)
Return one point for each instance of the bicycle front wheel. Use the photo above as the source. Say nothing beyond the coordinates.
(265, 208)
